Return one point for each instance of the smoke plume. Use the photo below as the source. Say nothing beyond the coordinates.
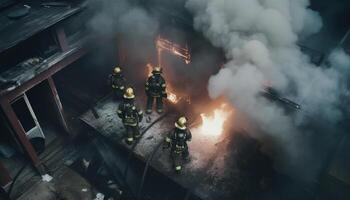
(126, 33)
(260, 38)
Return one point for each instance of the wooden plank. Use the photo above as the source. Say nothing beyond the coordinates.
(58, 104)
(61, 38)
(28, 78)
(40, 18)
(20, 133)
(5, 178)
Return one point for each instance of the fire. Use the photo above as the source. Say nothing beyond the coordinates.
(175, 49)
(172, 96)
(214, 125)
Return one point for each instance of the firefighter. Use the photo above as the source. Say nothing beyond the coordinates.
(155, 89)
(118, 82)
(177, 142)
(131, 116)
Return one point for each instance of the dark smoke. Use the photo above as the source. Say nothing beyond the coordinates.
(126, 33)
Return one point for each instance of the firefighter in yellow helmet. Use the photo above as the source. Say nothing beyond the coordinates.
(117, 82)
(131, 116)
(155, 89)
(177, 142)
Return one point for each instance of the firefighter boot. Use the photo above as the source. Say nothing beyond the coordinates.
(129, 135)
(186, 155)
(177, 162)
(159, 102)
(149, 104)
(136, 132)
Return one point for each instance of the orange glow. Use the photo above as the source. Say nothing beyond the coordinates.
(172, 97)
(175, 49)
(149, 69)
(213, 125)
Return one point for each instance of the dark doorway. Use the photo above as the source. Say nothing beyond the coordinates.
(45, 108)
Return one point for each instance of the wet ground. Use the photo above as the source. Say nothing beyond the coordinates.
(227, 166)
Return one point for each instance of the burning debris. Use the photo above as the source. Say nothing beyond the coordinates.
(173, 48)
(213, 125)
(172, 97)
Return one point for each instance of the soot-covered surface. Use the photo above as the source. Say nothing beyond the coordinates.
(39, 18)
(20, 74)
(224, 167)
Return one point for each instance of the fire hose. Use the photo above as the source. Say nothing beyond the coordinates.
(148, 162)
(136, 142)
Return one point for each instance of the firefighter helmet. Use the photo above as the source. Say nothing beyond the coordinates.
(181, 123)
(157, 70)
(117, 70)
(129, 93)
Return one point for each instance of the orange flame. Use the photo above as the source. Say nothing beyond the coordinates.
(172, 96)
(182, 52)
(214, 125)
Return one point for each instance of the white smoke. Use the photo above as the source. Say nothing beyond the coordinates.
(113, 17)
(260, 41)
(133, 25)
